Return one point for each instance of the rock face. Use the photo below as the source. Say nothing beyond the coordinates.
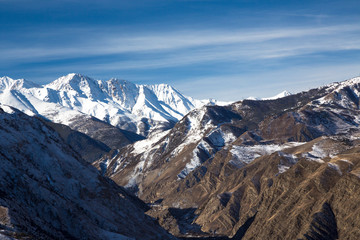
(47, 191)
(284, 166)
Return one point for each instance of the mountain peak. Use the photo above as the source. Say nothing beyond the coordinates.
(284, 93)
(77, 85)
(70, 79)
(6, 82)
(12, 84)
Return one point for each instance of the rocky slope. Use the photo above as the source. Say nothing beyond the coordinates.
(296, 193)
(47, 191)
(277, 165)
(89, 148)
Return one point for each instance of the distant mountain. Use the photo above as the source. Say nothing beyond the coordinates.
(280, 95)
(47, 191)
(282, 165)
(136, 108)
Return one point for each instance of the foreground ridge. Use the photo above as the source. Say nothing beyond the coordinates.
(49, 192)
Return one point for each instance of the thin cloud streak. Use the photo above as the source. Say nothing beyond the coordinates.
(254, 52)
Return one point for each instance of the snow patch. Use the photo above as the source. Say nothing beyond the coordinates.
(219, 138)
(316, 154)
(243, 155)
(7, 109)
(143, 146)
(195, 161)
(347, 161)
(335, 167)
(287, 161)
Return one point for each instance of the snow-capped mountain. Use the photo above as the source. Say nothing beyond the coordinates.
(137, 108)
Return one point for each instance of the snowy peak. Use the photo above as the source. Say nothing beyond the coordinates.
(69, 82)
(77, 85)
(7, 83)
(172, 97)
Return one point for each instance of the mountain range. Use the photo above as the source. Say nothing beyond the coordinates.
(136, 108)
(166, 165)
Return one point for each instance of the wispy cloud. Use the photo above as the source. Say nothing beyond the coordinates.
(274, 43)
(155, 52)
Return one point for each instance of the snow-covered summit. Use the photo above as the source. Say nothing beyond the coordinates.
(77, 85)
(7, 83)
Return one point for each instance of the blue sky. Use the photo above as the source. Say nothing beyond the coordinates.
(227, 50)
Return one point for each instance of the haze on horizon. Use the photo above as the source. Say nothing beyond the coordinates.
(205, 48)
